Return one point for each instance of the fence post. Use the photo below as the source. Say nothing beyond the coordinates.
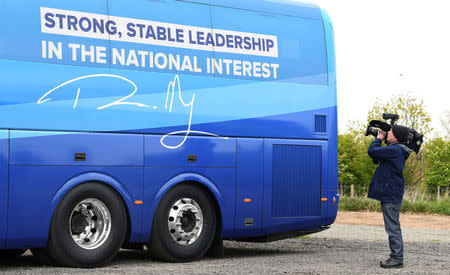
(352, 190)
(439, 193)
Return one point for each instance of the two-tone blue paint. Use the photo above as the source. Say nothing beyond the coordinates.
(123, 143)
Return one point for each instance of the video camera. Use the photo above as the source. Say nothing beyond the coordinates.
(413, 141)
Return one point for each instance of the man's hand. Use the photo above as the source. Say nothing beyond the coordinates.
(381, 135)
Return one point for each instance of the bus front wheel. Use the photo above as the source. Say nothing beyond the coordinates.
(88, 226)
(184, 224)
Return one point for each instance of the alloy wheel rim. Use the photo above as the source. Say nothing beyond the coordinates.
(90, 223)
(185, 221)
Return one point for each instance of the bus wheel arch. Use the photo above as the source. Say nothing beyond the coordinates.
(90, 177)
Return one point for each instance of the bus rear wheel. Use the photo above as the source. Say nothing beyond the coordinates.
(184, 224)
(88, 226)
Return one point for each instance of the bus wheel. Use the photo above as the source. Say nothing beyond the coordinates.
(184, 224)
(88, 226)
(8, 254)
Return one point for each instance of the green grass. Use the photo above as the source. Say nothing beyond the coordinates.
(419, 206)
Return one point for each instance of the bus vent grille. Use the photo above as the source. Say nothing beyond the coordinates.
(320, 124)
(296, 183)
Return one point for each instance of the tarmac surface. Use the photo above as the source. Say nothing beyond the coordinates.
(343, 249)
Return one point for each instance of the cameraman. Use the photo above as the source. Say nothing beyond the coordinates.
(388, 186)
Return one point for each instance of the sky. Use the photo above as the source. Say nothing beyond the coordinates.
(386, 48)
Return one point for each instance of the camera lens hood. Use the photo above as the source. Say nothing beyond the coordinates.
(380, 124)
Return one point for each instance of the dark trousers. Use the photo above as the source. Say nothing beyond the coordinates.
(391, 215)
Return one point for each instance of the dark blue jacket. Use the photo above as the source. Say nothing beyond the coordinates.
(388, 183)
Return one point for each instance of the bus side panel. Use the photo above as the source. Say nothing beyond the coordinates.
(301, 54)
(214, 168)
(42, 163)
(294, 174)
(4, 155)
(249, 185)
(208, 152)
(58, 148)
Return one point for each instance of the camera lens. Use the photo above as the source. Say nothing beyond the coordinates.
(371, 131)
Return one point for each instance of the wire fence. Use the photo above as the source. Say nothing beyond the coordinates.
(411, 192)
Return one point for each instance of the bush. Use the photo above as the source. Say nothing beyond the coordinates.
(441, 208)
(358, 204)
(419, 206)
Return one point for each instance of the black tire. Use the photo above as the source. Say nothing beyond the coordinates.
(12, 253)
(62, 247)
(163, 246)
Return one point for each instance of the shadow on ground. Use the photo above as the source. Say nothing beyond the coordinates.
(135, 256)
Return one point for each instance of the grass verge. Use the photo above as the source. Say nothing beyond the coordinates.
(419, 206)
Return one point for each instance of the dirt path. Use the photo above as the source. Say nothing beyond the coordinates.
(429, 221)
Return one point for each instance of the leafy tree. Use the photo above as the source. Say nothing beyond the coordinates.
(346, 152)
(437, 155)
(354, 167)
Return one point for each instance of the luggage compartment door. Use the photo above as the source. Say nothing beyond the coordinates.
(294, 171)
(4, 149)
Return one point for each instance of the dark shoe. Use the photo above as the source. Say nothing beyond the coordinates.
(391, 263)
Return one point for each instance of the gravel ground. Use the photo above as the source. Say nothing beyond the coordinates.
(343, 249)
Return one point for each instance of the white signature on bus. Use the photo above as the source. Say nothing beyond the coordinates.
(172, 88)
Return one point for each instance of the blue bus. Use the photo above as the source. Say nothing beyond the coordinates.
(169, 124)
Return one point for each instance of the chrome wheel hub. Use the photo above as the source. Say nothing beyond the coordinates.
(185, 221)
(90, 223)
